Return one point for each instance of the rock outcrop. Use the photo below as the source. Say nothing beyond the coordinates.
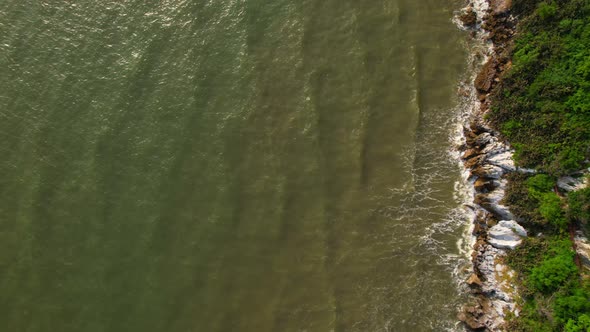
(582, 249)
(569, 183)
(485, 79)
(488, 159)
(507, 234)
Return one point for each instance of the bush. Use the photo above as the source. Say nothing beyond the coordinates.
(571, 158)
(542, 106)
(546, 11)
(568, 308)
(531, 319)
(550, 209)
(581, 324)
(543, 103)
(529, 254)
(552, 273)
(508, 128)
(540, 183)
(579, 205)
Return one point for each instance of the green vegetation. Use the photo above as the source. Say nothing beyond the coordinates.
(579, 205)
(542, 106)
(543, 103)
(554, 270)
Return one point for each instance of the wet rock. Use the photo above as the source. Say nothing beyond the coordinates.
(477, 128)
(479, 141)
(495, 147)
(473, 317)
(468, 17)
(474, 281)
(485, 78)
(470, 154)
(473, 162)
(488, 171)
(484, 185)
(483, 139)
(477, 229)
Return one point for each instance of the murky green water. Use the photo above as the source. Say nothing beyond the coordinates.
(230, 165)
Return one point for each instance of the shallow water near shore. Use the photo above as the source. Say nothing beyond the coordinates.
(229, 165)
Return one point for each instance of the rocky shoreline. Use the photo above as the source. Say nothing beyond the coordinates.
(488, 160)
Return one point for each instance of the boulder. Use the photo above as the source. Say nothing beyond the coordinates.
(474, 281)
(473, 162)
(503, 160)
(473, 317)
(488, 171)
(513, 225)
(583, 249)
(483, 139)
(483, 185)
(485, 78)
(500, 6)
(507, 234)
(470, 154)
(568, 183)
(468, 17)
(478, 128)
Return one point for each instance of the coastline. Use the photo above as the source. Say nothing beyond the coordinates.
(486, 161)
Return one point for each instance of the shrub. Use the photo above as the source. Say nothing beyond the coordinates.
(546, 11)
(550, 209)
(540, 183)
(509, 127)
(567, 308)
(570, 159)
(552, 273)
(581, 324)
(579, 205)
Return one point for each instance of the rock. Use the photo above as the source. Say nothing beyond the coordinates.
(491, 202)
(506, 235)
(477, 128)
(513, 225)
(503, 160)
(480, 140)
(480, 185)
(583, 249)
(473, 162)
(503, 244)
(503, 234)
(477, 229)
(500, 6)
(523, 170)
(473, 317)
(488, 171)
(468, 17)
(473, 323)
(470, 154)
(474, 281)
(485, 78)
(483, 139)
(495, 148)
(569, 183)
(484, 185)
